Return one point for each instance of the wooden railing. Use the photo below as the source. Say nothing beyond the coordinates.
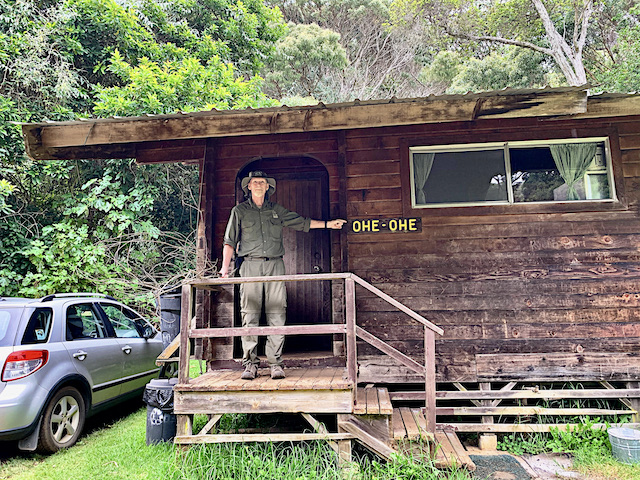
(350, 329)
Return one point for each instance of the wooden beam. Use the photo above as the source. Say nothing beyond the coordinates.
(430, 378)
(185, 348)
(258, 437)
(389, 350)
(43, 137)
(350, 319)
(166, 354)
(210, 424)
(204, 282)
(398, 305)
(319, 427)
(459, 451)
(624, 401)
(522, 427)
(521, 394)
(284, 330)
(359, 431)
(526, 411)
(533, 367)
(263, 401)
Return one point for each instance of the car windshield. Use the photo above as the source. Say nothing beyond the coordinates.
(9, 318)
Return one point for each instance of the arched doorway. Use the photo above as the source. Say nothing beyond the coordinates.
(302, 186)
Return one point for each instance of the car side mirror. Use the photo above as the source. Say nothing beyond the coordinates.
(148, 332)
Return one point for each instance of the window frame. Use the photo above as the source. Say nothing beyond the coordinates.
(505, 146)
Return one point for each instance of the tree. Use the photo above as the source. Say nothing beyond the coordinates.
(382, 62)
(558, 29)
(97, 225)
(303, 60)
(247, 29)
(508, 68)
(621, 69)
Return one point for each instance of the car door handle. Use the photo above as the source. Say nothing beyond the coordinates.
(126, 349)
(80, 355)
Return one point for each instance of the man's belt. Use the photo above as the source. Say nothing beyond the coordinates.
(262, 259)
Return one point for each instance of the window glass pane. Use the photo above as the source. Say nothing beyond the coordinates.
(597, 186)
(39, 327)
(562, 172)
(82, 322)
(461, 177)
(123, 320)
(534, 175)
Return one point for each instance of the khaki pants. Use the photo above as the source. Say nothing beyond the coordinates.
(252, 297)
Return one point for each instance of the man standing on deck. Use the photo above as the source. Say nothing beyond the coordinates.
(254, 230)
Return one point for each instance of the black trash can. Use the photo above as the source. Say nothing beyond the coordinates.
(161, 421)
(170, 305)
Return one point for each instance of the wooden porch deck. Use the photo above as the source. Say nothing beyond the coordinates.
(308, 390)
(364, 414)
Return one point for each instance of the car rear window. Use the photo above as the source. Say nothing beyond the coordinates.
(9, 318)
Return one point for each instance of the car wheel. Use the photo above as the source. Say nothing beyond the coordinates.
(62, 421)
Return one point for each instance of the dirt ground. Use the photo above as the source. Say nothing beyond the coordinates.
(497, 466)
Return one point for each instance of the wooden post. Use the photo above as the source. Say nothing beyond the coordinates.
(635, 403)
(350, 311)
(185, 326)
(430, 378)
(184, 425)
(344, 453)
(487, 441)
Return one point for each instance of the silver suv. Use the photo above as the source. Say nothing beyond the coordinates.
(64, 357)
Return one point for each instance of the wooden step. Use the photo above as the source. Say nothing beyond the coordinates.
(372, 401)
(410, 424)
(450, 451)
(367, 433)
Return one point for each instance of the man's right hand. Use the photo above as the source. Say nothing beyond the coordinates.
(224, 271)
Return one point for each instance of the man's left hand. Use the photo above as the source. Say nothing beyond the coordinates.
(336, 224)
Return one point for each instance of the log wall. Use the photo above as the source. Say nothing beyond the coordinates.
(536, 292)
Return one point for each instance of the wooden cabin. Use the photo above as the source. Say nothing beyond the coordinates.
(470, 210)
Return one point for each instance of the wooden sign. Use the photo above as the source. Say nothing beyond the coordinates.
(385, 225)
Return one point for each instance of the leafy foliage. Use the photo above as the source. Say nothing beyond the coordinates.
(185, 85)
(583, 436)
(621, 70)
(98, 225)
(304, 58)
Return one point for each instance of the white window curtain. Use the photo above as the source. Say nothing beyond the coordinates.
(572, 160)
(422, 164)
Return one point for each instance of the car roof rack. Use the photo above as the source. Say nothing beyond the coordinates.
(48, 298)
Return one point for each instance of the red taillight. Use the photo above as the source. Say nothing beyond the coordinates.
(23, 363)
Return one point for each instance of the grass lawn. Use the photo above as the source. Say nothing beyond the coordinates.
(119, 451)
(114, 447)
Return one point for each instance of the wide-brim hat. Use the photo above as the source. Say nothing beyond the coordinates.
(259, 174)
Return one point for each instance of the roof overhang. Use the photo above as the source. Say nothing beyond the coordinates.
(122, 137)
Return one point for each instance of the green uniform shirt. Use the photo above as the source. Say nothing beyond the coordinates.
(257, 232)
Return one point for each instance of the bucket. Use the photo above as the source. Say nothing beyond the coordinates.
(625, 443)
(161, 421)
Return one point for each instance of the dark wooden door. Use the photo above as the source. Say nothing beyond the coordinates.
(305, 192)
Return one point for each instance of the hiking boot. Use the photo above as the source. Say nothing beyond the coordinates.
(277, 372)
(250, 372)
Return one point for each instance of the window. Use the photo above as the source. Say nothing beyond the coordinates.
(511, 172)
(82, 322)
(125, 322)
(39, 327)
